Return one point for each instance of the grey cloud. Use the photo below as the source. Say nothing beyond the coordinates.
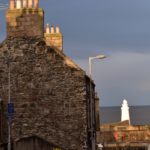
(124, 75)
(88, 26)
(116, 25)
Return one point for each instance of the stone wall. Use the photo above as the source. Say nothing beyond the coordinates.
(126, 147)
(125, 134)
(0, 122)
(48, 91)
(54, 39)
(34, 143)
(25, 22)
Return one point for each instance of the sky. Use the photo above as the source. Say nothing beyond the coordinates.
(119, 29)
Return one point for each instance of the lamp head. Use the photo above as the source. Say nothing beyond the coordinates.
(100, 56)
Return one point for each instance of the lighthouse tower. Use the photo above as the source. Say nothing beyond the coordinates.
(125, 111)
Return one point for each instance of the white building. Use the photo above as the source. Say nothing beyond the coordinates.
(125, 111)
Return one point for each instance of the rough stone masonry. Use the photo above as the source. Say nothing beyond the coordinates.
(49, 91)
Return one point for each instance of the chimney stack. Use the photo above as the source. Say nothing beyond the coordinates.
(52, 38)
(24, 20)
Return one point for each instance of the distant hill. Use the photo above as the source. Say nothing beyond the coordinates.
(140, 115)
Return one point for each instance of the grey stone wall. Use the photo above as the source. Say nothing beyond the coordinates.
(0, 122)
(48, 91)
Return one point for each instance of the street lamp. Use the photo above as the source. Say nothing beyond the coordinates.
(10, 106)
(90, 62)
(91, 100)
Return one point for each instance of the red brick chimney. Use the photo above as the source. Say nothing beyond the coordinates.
(25, 19)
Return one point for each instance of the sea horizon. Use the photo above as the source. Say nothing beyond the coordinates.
(138, 114)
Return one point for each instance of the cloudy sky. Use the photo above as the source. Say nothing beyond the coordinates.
(119, 29)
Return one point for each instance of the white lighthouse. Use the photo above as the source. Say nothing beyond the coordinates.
(125, 111)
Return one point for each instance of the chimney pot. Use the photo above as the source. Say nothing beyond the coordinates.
(30, 3)
(36, 3)
(12, 4)
(18, 4)
(47, 29)
(24, 2)
(52, 29)
(57, 29)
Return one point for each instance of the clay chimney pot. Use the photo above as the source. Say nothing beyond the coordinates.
(52, 29)
(36, 3)
(18, 4)
(30, 3)
(57, 29)
(47, 29)
(24, 3)
(12, 4)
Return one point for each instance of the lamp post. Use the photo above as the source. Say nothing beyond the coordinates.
(0, 119)
(9, 117)
(90, 62)
(10, 106)
(91, 100)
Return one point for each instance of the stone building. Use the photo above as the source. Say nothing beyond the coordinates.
(50, 93)
(0, 121)
(122, 135)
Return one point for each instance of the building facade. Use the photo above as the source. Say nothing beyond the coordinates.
(54, 100)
